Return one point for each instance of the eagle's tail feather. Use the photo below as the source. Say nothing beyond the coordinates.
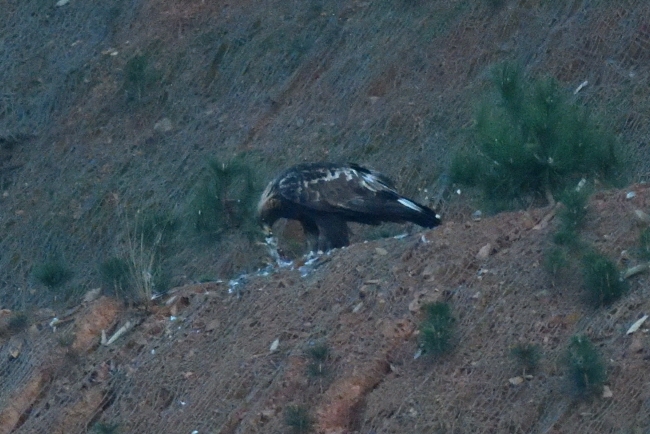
(395, 209)
(408, 210)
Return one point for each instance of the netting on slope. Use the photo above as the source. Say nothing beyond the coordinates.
(403, 77)
(388, 85)
(205, 362)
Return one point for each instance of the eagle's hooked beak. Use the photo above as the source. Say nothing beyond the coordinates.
(268, 235)
(272, 244)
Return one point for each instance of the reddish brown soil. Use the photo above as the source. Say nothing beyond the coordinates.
(202, 359)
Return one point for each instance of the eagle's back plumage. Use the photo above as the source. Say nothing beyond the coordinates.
(323, 196)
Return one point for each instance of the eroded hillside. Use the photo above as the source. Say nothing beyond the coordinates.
(109, 112)
(233, 357)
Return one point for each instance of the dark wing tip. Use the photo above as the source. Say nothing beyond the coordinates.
(419, 214)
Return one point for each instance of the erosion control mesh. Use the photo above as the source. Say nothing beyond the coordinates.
(232, 357)
(106, 107)
(112, 106)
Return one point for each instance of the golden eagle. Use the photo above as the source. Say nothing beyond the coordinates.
(323, 197)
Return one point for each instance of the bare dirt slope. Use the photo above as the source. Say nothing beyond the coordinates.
(202, 360)
(111, 109)
(108, 109)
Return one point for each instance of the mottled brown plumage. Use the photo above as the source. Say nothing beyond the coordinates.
(325, 196)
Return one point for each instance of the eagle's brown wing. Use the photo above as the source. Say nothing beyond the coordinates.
(353, 193)
(338, 189)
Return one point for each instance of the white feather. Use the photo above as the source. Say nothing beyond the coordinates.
(331, 175)
(371, 182)
(407, 203)
(266, 195)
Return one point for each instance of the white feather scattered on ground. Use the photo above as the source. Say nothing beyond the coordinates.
(634, 327)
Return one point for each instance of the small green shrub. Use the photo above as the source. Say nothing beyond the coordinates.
(52, 274)
(566, 237)
(116, 274)
(437, 329)
(574, 211)
(464, 167)
(65, 340)
(298, 419)
(18, 321)
(602, 279)
(154, 227)
(319, 352)
(527, 356)
(555, 260)
(225, 199)
(143, 274)
(148, 279)
(532, 142)
(162, 280)
(140, 77)
(587, 372)
(319, 355)
(142, 265)
(106, 428)
(568, 245)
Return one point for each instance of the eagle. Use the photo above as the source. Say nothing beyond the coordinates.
(323, 197)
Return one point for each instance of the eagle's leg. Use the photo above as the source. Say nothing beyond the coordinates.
(333, 232)
(311, 234)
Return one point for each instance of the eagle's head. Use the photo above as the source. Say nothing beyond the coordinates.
(268, 211)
